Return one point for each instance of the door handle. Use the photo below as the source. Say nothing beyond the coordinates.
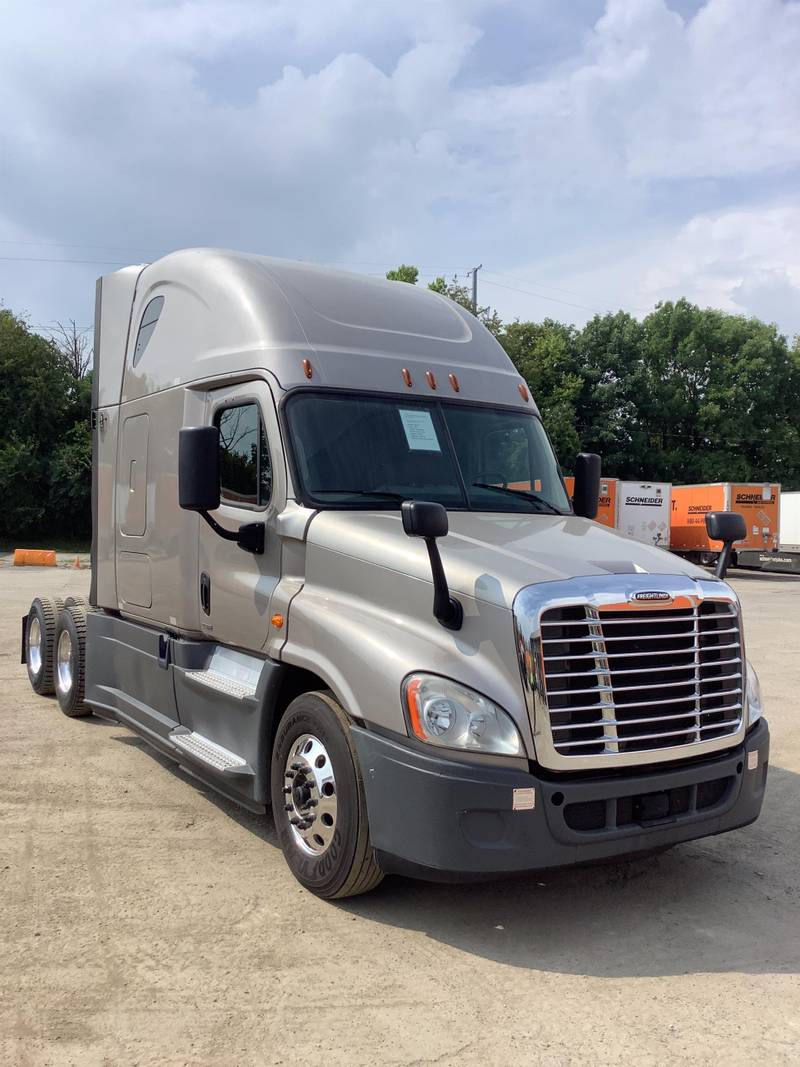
(205, 593)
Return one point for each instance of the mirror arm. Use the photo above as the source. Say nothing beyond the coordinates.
(723, 559)
(446, 609)
(249, 537)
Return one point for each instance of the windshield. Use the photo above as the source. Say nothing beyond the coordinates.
(374, 452)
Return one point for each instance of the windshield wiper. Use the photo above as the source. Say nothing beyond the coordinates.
(533, 497)
(364, 492)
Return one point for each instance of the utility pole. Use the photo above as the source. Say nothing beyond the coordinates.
(474, 273)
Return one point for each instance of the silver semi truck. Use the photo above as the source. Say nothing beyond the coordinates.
(336, 573)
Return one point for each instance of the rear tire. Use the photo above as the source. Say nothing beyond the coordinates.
(69, 661)
(40, 634)
(322, 820)
(77, 601)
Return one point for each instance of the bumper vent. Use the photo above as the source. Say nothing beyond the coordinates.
(623, 680)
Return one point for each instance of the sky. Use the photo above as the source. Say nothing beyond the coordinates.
(590, 155)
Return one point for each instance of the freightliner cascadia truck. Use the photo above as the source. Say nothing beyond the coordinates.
(336, 574)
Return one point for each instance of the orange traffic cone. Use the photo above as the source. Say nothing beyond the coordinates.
(77, 564)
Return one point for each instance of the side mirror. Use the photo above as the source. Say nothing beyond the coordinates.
(198, 468)
(586, 495)
(424, 518)
(725, 526)
(198, 485)
(427, 519)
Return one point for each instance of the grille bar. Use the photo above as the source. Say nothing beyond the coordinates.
(593, 660)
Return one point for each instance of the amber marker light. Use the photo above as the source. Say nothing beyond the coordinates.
(454, 383)
(308, 370)
(407, 377)
(431, 377)
(277, 621)
(523, 391)
(412, 701)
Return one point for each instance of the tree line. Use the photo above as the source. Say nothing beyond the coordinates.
(687, 394)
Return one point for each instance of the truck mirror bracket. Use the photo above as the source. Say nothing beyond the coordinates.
(249, 537)
(428, 520)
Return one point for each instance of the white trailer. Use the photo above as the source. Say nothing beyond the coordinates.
(644, 511)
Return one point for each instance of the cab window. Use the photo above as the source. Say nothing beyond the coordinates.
(245, 468)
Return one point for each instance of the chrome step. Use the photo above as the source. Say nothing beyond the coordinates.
(199, 747)
(223, 683)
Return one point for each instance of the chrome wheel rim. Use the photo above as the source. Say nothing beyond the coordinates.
(35, 645)
(309, 786)
(64, 663)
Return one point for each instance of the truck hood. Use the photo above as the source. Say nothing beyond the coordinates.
(491, 556)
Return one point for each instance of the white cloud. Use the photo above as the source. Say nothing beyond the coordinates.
(653, 158)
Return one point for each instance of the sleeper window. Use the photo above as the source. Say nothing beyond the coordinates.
(245, 469)
(146, 327)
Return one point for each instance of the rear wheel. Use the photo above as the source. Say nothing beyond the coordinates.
(40, 643)
(318, 800)
(77, 601)
(70, 661)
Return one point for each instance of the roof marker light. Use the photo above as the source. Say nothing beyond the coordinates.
(308, 370)
(454, 383)
(523, 391)
(407, 377)
(431, 377)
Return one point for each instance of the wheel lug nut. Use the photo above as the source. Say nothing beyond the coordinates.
(295, 821)
(288, 807)
(287, 789)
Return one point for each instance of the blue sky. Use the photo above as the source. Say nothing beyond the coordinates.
(591, 155)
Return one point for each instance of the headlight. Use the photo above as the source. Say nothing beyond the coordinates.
(754, 705)
(449, 715)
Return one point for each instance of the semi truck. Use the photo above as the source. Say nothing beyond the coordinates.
(644, 510)
(336, 576)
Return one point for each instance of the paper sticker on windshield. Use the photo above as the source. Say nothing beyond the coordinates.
(420, 431)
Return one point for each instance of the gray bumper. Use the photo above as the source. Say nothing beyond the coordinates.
(436, 818)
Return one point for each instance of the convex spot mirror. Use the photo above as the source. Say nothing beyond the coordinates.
(198, 468)
(586, 495)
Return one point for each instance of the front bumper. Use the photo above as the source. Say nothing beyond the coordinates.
(440, 819)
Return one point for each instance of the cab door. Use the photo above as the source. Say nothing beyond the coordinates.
(234, 586)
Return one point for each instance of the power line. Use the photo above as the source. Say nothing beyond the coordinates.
(555, 288)
(542, 296)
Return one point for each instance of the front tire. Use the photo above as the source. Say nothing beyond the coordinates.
(318, 800)
(69, 665)
(40, 635)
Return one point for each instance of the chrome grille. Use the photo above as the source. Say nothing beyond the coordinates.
(623, 680)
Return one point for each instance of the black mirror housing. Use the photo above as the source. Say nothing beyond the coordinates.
(198, 468)
(586, 497)
(726, 526)
(424, 518)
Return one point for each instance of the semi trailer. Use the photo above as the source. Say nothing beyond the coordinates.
(607, 500)
(785, 558)
(336, 575)
(757, 503)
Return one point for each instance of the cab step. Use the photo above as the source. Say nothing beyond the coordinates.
(208, 752)
(223, 683)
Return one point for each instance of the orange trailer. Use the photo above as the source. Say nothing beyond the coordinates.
(607, 508)
(757, 502)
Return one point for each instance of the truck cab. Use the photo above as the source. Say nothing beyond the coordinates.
(336, 573)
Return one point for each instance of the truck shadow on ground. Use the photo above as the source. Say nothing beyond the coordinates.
(722, 904)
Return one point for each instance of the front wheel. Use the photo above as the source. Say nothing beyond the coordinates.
(318, 800)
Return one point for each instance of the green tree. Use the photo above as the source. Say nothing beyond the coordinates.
(546, 357)
(403, 274)
(44, 437)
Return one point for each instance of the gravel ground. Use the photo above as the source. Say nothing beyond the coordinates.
(146, 921)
